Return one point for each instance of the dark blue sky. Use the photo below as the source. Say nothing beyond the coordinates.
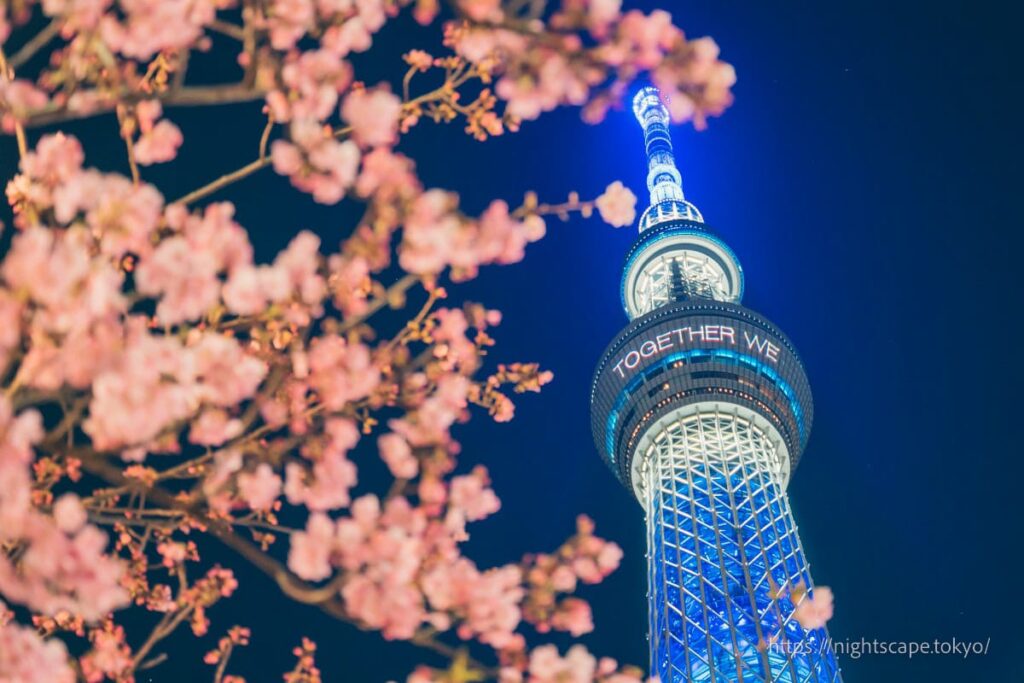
(863, 177)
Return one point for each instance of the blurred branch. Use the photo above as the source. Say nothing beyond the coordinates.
(191, 96)
(38, 41)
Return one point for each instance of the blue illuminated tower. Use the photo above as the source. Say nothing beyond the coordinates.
(702, 408)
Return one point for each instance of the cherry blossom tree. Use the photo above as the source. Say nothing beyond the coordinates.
(159, 385)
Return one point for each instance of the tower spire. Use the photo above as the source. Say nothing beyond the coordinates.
(663, 178)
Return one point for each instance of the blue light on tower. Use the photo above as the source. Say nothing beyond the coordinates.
(702, 408)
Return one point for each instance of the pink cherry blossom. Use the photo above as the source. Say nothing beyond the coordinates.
(341, 371)
(429, 423)
(227, 374)
(815, 610)
(471, 495)
(487, 602)
(154, 25)
(214, 232)
(434, 237)
(184, 280)
(298, 268)
(288, 21)
(159, 144)
(5, 26)
(313, 80)
(384, 552)
(125, 215)
(373, 115)
(213, 427)
(152, 386)
(225, 463)
(451, 332)
(546, 666)
(327, 486)
(81, 14)
(647, 37)
(18, 100)
(202, 387)
(85, 351)
(601, 14)
(698, 86)
(243, 293)
(310, 552)
(316, 162)
(69, 514)
(172, 553)
(57, 271)
(573, 615)
(18, 433)
(355, 33)
(110, 657)
(350, 283)
(11, 311)
(482, 10)
(55, 159)
(397, 454)
(58, 572)
(617, 205)
(554, 83)
(386, 174)
(27, 658)
(394, 608)
(260, 488)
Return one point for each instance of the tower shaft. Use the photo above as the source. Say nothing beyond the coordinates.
(703, 408)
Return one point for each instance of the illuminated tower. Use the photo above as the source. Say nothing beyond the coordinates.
(702, 408)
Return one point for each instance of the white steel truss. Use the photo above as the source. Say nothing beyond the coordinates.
(723, 559)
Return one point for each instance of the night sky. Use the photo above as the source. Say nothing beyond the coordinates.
(863, 177)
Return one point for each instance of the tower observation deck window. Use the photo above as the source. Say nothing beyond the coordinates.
(688, 273)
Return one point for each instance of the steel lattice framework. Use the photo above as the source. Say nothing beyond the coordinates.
(689, 274)
(702, 407)
(721, 543)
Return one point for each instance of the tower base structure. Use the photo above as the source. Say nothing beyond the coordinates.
(722, 546)
(702, 408)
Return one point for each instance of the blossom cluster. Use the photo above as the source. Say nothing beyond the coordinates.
(159, 383)
(173, 355)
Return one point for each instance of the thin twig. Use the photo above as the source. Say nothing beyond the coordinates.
(400, 287)
(38, 41)
(228, 29)
(223, 181)
(265, 138)
(126, 135)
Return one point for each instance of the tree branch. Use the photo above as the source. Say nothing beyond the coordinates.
(38, 41)
(191, 96)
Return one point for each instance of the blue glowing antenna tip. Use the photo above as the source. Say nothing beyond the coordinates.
(663, 179)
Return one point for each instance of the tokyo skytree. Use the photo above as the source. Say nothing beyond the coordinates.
(702, 409)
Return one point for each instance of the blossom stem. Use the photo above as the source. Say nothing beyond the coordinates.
(126, 135)
(265, 138)
(398, 288)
